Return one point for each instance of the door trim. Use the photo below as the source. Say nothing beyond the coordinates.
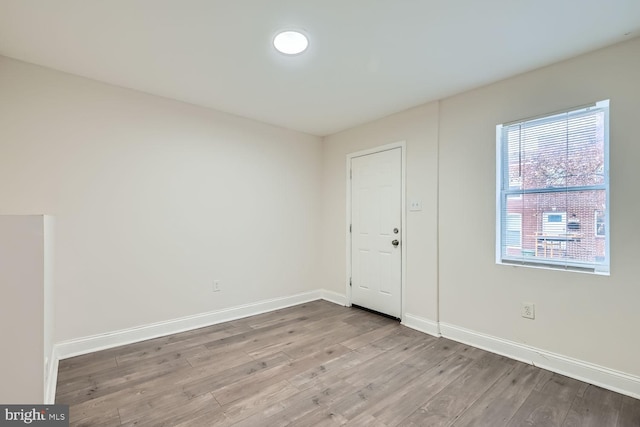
(403, 217)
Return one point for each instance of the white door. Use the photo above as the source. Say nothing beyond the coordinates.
(376, 221)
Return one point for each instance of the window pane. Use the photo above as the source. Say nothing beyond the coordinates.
(544, 164)
(514, 230)
(560, 226)
(566, 151)
(585, 148)
(600, 225)
(512, 226)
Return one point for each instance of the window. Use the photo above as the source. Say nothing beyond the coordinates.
(554, 223)
(552, 181)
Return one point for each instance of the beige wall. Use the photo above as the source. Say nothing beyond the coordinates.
(418, 127)
(451, 158)
(154, 199)
(22, 308)
(584, 316)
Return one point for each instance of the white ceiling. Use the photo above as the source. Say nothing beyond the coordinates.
(366, 59)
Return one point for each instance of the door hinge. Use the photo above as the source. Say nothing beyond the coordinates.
(350, 227)
(350, 173)
(350, 283)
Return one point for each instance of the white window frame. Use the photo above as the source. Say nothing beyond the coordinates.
(503, 191)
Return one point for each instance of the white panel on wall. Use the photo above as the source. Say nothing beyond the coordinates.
(22, 313)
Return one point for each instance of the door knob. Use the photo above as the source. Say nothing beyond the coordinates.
(395, 243)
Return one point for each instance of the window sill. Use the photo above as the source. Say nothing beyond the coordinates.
(540, 265)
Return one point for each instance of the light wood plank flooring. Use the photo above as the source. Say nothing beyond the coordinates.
(319, 364)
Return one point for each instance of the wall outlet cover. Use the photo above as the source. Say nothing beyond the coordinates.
(415, 205)
(528, 310)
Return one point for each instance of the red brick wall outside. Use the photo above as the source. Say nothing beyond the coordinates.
(580, 207)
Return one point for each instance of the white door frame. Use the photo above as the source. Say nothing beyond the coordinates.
(403, 217)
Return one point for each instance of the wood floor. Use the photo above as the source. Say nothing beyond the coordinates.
(319, 364)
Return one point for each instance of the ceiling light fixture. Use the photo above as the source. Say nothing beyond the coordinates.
(290, 42)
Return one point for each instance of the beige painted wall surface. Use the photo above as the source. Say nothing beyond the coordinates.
(154, 199)
(418, 127)
(587, 317)
(21, 309)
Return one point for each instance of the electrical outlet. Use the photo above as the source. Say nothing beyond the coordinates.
(216, 286)
(528, 310)
(415, 205)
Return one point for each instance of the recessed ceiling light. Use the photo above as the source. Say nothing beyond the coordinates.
(290, 42)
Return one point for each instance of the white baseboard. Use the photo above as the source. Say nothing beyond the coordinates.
(334, 297)
(93, 343)
(604, 377)
(76, 347)
(421, 324)
(590, 373)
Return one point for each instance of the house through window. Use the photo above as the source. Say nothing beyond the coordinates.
(514, 230)
(600, 227)
(552, 181)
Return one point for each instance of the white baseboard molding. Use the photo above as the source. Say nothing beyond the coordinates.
(93, 343)
(604, 377)
(334, 297)
(590, 373)
(421, 324)
(77, 347)
(52, 378)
